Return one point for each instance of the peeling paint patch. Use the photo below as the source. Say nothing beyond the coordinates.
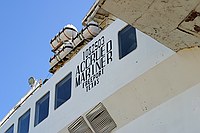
(192, 16)
(191, 24)
(197, 28)
(165, 1)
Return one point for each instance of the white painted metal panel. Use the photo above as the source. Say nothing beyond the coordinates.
(180, 114)
(117, 73)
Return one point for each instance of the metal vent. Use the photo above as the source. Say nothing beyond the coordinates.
(79, 126)
(100, 119)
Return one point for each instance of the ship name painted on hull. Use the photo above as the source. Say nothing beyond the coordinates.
(94, 59)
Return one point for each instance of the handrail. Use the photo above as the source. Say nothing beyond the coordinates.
(19, 104)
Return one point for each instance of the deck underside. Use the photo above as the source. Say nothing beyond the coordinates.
(174, 23)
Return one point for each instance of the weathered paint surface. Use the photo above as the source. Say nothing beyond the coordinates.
(191, 24)
(162, 83)
(164, 20)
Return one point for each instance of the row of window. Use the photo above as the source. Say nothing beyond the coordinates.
(62, 94)
(127, 43)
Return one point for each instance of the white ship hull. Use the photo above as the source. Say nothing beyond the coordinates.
(152, 89)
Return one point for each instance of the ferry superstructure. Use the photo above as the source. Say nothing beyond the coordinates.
(120, 81)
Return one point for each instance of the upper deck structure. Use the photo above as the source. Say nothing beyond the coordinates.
(174, 23)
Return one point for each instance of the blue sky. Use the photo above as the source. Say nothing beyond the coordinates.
(25, 32)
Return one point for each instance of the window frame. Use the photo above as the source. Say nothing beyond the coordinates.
(57, 86)
(11, 127)
(37, 108)
(120, 33)
(21, 118)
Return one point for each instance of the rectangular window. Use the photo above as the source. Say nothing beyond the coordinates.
(42, 109)
(23, 123)
(10, 129)
(127, 41)
(63, 91)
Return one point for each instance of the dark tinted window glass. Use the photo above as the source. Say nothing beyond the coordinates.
(127, 41)
(63, 91)
(42, 109)
(10, 130)
(23, 123)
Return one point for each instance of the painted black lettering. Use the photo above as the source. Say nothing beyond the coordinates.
(102, 50)
(87, 73)
(103, 62)
(78, 81)
(82, 77)
(88, 62)
(98, 66)
(109, 46)
(77, 70)
(82, 66)
(109, 57)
